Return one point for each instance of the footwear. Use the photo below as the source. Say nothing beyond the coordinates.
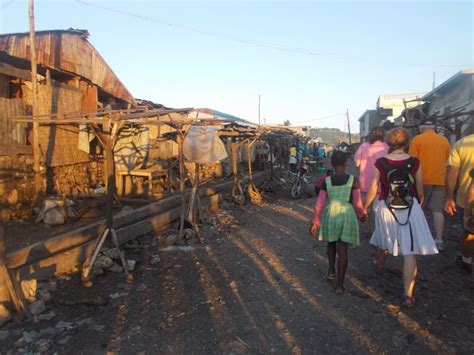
(408, 301)
(440, 245)
(330, 276)
(376, 263)
(340, 290)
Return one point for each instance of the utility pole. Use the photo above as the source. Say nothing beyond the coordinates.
(348, 126)
(434, 80)
(34, 87)
(259, 98)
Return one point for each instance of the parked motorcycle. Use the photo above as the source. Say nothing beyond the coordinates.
(301, 178)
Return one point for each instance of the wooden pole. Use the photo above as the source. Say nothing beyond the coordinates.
(180, 140)
(349, 126)
(34, 74)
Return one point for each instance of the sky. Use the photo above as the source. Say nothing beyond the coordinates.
(307, 59)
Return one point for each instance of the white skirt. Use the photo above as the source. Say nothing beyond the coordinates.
(397, 239)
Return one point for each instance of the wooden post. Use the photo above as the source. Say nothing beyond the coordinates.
(180, 140)
(34, 75)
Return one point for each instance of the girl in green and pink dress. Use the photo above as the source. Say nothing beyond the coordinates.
(339, 226)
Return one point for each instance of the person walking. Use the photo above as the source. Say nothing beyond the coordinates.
(400, 224)
(365, 158)
(460, 163)
(339, 226)
(432, 150)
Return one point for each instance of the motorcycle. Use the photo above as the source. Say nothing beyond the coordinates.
(300, 179)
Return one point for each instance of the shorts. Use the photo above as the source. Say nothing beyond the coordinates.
(434, 197)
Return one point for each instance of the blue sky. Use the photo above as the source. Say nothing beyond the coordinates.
(314, 58)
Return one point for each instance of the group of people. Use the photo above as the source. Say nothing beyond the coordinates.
(398, 180)
(301, 149)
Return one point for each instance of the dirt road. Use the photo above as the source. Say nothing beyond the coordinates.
(255, 285)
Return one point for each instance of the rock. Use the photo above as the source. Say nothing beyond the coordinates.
(96, 271)
(43, 295)
(131, 265)
(29, 337)
(117, 295)
(189, 234)
(43, 345)
(98, 327)
(172, 239)
(103, 262)
(64, 341)
(233, 285)
(115, 268)
(155, 259)
(64, 325)
(13, 197)
(29, 288)
(84, 321)
(4, 334)
(5, 315)
(54, 216)
(37, 307)
(141, 288)
(112, 253)
(47, 316)
(48, 332)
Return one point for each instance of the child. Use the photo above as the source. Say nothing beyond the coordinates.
(339, 225)
(320, 181)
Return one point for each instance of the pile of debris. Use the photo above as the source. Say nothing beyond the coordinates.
(37, 294)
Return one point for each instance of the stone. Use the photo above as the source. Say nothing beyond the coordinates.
(115, 268)
(126, 209)
(43, 295)
(4, 334)
(64, 341)
(103, 262)
(64, 325)
(98, 327)
(37, 307)
(29, 288)
(54, 216)
(155, 259)
(141, 288)
(5, 315)
(47, 316)
(13, 197)
(112, 253)
(43, 345)
(172, 239)
(96, 271)
(30, 337)
(131, 264)
(189, 234)
(84, 321)
(48, 332)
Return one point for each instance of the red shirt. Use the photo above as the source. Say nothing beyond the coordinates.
(384, 179)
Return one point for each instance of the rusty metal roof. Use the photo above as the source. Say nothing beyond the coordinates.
(67, 51)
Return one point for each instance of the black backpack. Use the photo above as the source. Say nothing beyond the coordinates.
(400, 180)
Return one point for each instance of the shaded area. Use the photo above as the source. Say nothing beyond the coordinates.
(256, 286)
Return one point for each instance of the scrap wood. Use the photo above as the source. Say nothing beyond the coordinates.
(9, 279)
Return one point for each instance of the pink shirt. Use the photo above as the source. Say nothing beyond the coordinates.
(365, 159)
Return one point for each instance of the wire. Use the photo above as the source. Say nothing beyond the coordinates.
(254, 42)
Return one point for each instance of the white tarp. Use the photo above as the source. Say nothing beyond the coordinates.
(203, 146)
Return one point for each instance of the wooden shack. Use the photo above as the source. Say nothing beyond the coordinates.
(72, 77)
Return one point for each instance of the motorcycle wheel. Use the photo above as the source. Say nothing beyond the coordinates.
(296, 190)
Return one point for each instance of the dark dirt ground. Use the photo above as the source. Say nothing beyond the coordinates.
(255, 285)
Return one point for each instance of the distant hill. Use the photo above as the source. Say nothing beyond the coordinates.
(332, 135)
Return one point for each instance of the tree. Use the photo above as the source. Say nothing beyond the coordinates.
(286, 123)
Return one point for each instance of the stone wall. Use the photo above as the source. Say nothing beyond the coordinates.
(17, 190)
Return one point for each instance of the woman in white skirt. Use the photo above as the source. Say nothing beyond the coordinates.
(401, 230)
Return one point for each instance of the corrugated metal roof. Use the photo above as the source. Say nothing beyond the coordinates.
(67, 51)
(448, 82)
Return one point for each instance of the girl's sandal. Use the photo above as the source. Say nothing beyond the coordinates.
(330, 276)
(408, 301)
(340, 290)
(376, 263)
